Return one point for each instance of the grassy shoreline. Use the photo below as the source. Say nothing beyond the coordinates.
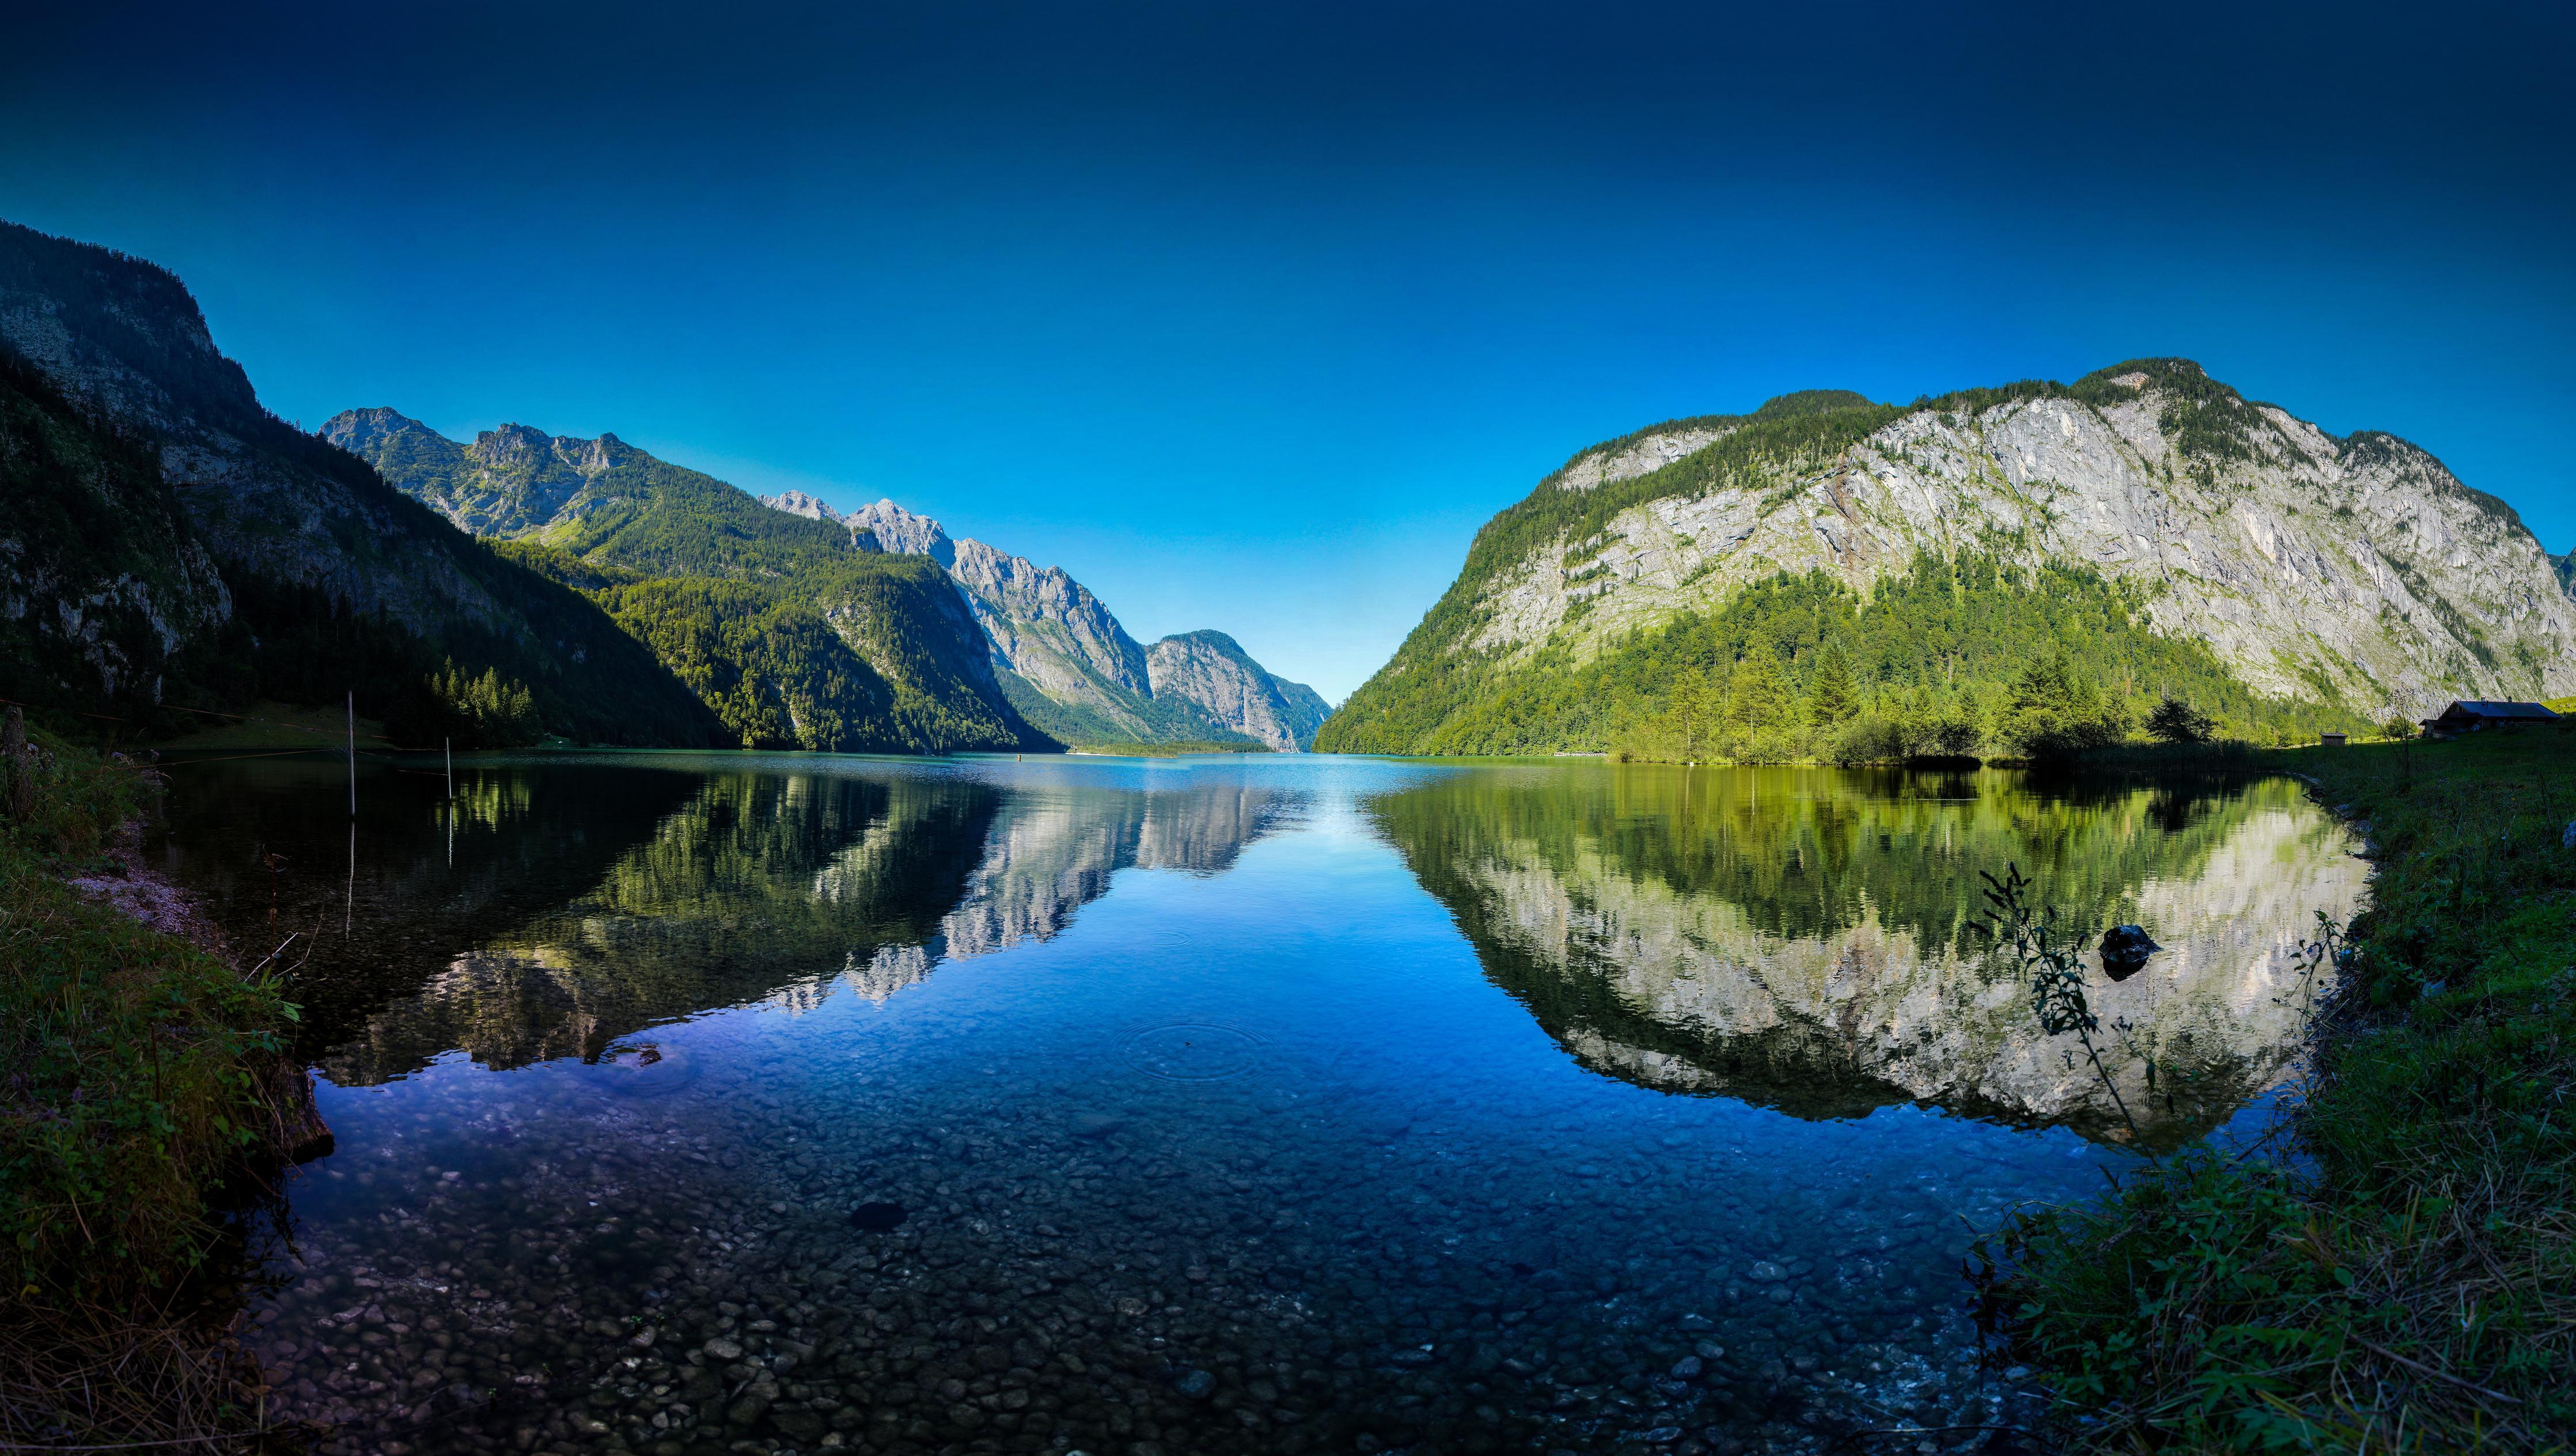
(2408, 1282)
(143, 1072)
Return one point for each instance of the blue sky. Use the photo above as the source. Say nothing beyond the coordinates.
(1249, 315)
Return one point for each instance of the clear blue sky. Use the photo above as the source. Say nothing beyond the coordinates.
(1248, 315)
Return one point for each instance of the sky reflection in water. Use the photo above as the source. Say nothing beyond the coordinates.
(1211, 1128)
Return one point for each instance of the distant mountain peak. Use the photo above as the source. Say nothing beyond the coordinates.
(798, 503)
(905, 532)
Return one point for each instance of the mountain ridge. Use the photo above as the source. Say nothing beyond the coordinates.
(795, 632)
(2356, 575)
(1058, 660)
(178, 546)
(1078, 672)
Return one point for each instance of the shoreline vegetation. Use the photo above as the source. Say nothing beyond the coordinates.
(2405, 1279)
(2052, 711)
(148, 1091)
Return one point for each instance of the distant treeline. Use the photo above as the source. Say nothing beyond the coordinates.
(1957, 656)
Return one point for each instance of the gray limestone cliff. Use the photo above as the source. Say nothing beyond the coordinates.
(2299, 557)
(1209, 669)
(2354, 571)
(1073, 670)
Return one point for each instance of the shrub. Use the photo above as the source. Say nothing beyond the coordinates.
(1872, 738)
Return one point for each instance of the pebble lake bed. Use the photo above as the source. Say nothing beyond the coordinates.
(697, 1104)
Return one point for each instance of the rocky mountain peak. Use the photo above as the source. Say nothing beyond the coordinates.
(798, 503)
(1212, 670)
(359, 431)
(904, 532)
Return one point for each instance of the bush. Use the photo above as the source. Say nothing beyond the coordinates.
(1871, 738)
(2398, 730)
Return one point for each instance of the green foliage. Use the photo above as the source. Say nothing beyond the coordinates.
(557, 565)
(1173, 749)
(1439, 696)
(451, 709)
(1831, 697)
(788, 634)
(2175, 721)
(135, 1061)
(2204, 420)
(777, 665)
(660, 519)
(2055, 712)
(1937, 649)
(2414, 1288)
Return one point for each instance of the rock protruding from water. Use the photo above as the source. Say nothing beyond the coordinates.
(2125, 949)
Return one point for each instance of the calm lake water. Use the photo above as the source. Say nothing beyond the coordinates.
(1227, 1105)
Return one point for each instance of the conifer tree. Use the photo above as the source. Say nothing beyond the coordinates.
(1832, 700)
(1760, 696)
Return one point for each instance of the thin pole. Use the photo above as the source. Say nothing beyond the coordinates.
(450, 745)
(353, 753)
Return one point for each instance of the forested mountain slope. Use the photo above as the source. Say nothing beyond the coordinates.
(1068, 664)
(170, 543)
(2153, 526)
(795, 633)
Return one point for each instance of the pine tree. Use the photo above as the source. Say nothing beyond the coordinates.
(1760, 699)
(1832, 700)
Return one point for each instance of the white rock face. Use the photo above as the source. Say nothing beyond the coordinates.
(2359, 562)
(1063, 642)
(1653, 452)
(1047, 627)
(902, 532)
(1209, 669)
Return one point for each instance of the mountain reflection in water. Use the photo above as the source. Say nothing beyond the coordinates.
(1803, 938)
(588, 902)
(1259, 1155)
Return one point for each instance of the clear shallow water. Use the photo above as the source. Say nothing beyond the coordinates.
(1236, 1105)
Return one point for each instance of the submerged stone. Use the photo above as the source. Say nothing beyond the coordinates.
(2125, 949)
(877, 1216)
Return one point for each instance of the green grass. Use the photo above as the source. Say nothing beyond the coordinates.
(133, 1059)
(2409, 1283)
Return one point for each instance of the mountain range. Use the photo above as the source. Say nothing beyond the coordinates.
(1045, 648)
(1067, 664)
(1727, 583)
(170, 545)
(2148, 525)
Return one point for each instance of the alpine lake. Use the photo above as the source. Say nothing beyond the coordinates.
(735, 1103)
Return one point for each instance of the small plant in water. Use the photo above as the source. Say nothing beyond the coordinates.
(2052, 962)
